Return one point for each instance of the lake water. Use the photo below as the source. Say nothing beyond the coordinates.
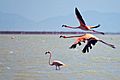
(22, 57)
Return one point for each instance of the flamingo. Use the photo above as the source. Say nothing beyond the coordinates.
(55, 62)
(83, 26)
(91, 40)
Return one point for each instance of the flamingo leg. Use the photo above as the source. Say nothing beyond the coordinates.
(108, 44)
(56, 67)
(59, 67)
(98, 32)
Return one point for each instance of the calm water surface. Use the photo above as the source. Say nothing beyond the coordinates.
(22, 57)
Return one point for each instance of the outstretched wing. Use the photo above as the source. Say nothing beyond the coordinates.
(78, 41)
(75, 45)
(89, 44)
(79, 17)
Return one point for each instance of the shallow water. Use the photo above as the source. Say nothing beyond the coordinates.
(22, 57)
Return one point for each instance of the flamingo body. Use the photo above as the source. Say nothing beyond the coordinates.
(57, 63)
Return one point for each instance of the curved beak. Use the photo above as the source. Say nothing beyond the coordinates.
(45, 52)
(61, 36)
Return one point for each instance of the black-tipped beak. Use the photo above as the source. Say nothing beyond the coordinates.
(45, 53)
(113, 46)
(60, 36)
(64, 25)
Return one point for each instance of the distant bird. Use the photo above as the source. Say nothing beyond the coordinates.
(55, 62)
(13, 37)
(83, 26)
(89, 38)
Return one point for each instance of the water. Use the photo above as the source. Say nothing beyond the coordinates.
(22, 57)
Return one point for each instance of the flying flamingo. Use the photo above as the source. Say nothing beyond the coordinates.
(55, 62)
(83, 26)
(91, 40)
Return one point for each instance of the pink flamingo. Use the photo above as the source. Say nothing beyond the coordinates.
(91, 40)
(83, 26)
(55, 62)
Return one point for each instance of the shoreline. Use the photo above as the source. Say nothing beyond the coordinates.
(52, 32)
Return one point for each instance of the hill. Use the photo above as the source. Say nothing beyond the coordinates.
(15, 22)
(12, 22)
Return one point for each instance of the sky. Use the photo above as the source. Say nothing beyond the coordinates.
(38, 10)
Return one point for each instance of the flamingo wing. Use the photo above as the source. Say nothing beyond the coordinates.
(75, 44)
(81, 38)
(79, 17)
(58, 62)
(91, 41)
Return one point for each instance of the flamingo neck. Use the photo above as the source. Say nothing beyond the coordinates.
(71, 36)
(72, 27)
(50, 59)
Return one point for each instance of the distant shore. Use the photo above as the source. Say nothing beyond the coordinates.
(49, 32)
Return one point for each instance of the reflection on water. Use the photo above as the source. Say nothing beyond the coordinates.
(23, 58)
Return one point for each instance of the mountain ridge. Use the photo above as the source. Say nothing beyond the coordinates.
(13, 22)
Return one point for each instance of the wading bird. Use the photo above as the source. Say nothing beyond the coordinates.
(89, 38)
(55, 62)
(83, 26)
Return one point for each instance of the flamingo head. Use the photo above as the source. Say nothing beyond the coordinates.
(64, 25)
(62, 36)
(47, 52)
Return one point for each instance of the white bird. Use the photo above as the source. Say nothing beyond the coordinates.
(55, 62)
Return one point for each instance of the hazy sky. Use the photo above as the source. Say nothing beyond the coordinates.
(38, 10)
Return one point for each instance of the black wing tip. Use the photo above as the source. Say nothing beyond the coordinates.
(76, 10)
(86, 49)
(89, 46)
(83, 51)
(73, 46)
(79, 43)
